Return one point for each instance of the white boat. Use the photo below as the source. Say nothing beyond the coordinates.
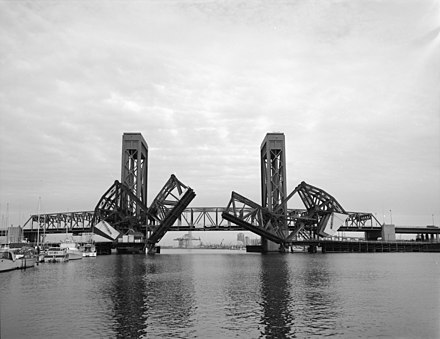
(26, 256)
(56, 254)
(9, 260)
(89, 250)
(73, 250)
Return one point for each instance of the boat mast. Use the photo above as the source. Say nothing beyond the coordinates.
(44, 230)
(38, 229)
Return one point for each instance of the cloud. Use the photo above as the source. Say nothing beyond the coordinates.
(354, 86)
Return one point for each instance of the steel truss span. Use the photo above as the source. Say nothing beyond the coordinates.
(120, 208)
(203, 219)
(124, 206)
(320, 208)
(166, 208)
(124, 211)
(60, 222)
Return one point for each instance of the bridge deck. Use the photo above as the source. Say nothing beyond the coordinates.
(192, 219)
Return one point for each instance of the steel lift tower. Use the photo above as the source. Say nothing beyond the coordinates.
(273, 180)
(124, 205)
(134, 167)
(278, 226)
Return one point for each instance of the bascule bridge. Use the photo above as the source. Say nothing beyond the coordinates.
(124, 219)
(278, 226)
(124, 206)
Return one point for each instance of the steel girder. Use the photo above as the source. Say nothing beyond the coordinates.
(273, 171)
(272, 224)
(319, 207)
(359, 219)
(60, 222)
(316, 199)
(251, 216)
(166, 208)
(119, 207)
(134, 165)
(192, 218)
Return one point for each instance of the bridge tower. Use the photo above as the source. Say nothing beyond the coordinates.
(134, 167)
(273, 179)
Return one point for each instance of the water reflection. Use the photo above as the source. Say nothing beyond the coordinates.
(224, 295)
(152, 296)
(127, 295)
(277, 319)
(318, 308)
(169, 301)
(240, 288)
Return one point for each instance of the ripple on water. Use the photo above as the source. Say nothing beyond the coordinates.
(200, 295)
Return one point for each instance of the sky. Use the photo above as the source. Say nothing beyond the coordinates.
(353, 85)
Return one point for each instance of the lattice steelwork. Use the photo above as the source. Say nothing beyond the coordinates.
(155, 221)
(273, 178)
(121, 208)
(165, 209)
(124, 205)
(202, 219)
(74, 222)
(273, 225)
(273, 172)
(360, 219)
(320, 207)
(248, 214)
(134, 166)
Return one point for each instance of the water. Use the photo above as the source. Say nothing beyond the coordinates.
(226, 294)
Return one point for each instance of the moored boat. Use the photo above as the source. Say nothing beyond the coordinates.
(89, 250)
(26, 257)
(73, 250)
(56, 254)
(9, 260)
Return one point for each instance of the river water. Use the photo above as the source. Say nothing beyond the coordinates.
(226, 294)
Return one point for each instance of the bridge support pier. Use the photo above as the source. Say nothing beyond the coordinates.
(151, 249)
(312, 249)
(270, 246)
(372, 235)
(388, 232)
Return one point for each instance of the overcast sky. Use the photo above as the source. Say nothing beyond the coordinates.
(353, 85)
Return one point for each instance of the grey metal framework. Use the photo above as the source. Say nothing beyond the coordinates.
(134, 167)
(361, 219)
(121, 208)
(166, 208)
(124, 205)
(205, 219)
(60, 222)
(319, 207)
(273, 172)
(251, 216)
(273, 180)
(271, 225)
